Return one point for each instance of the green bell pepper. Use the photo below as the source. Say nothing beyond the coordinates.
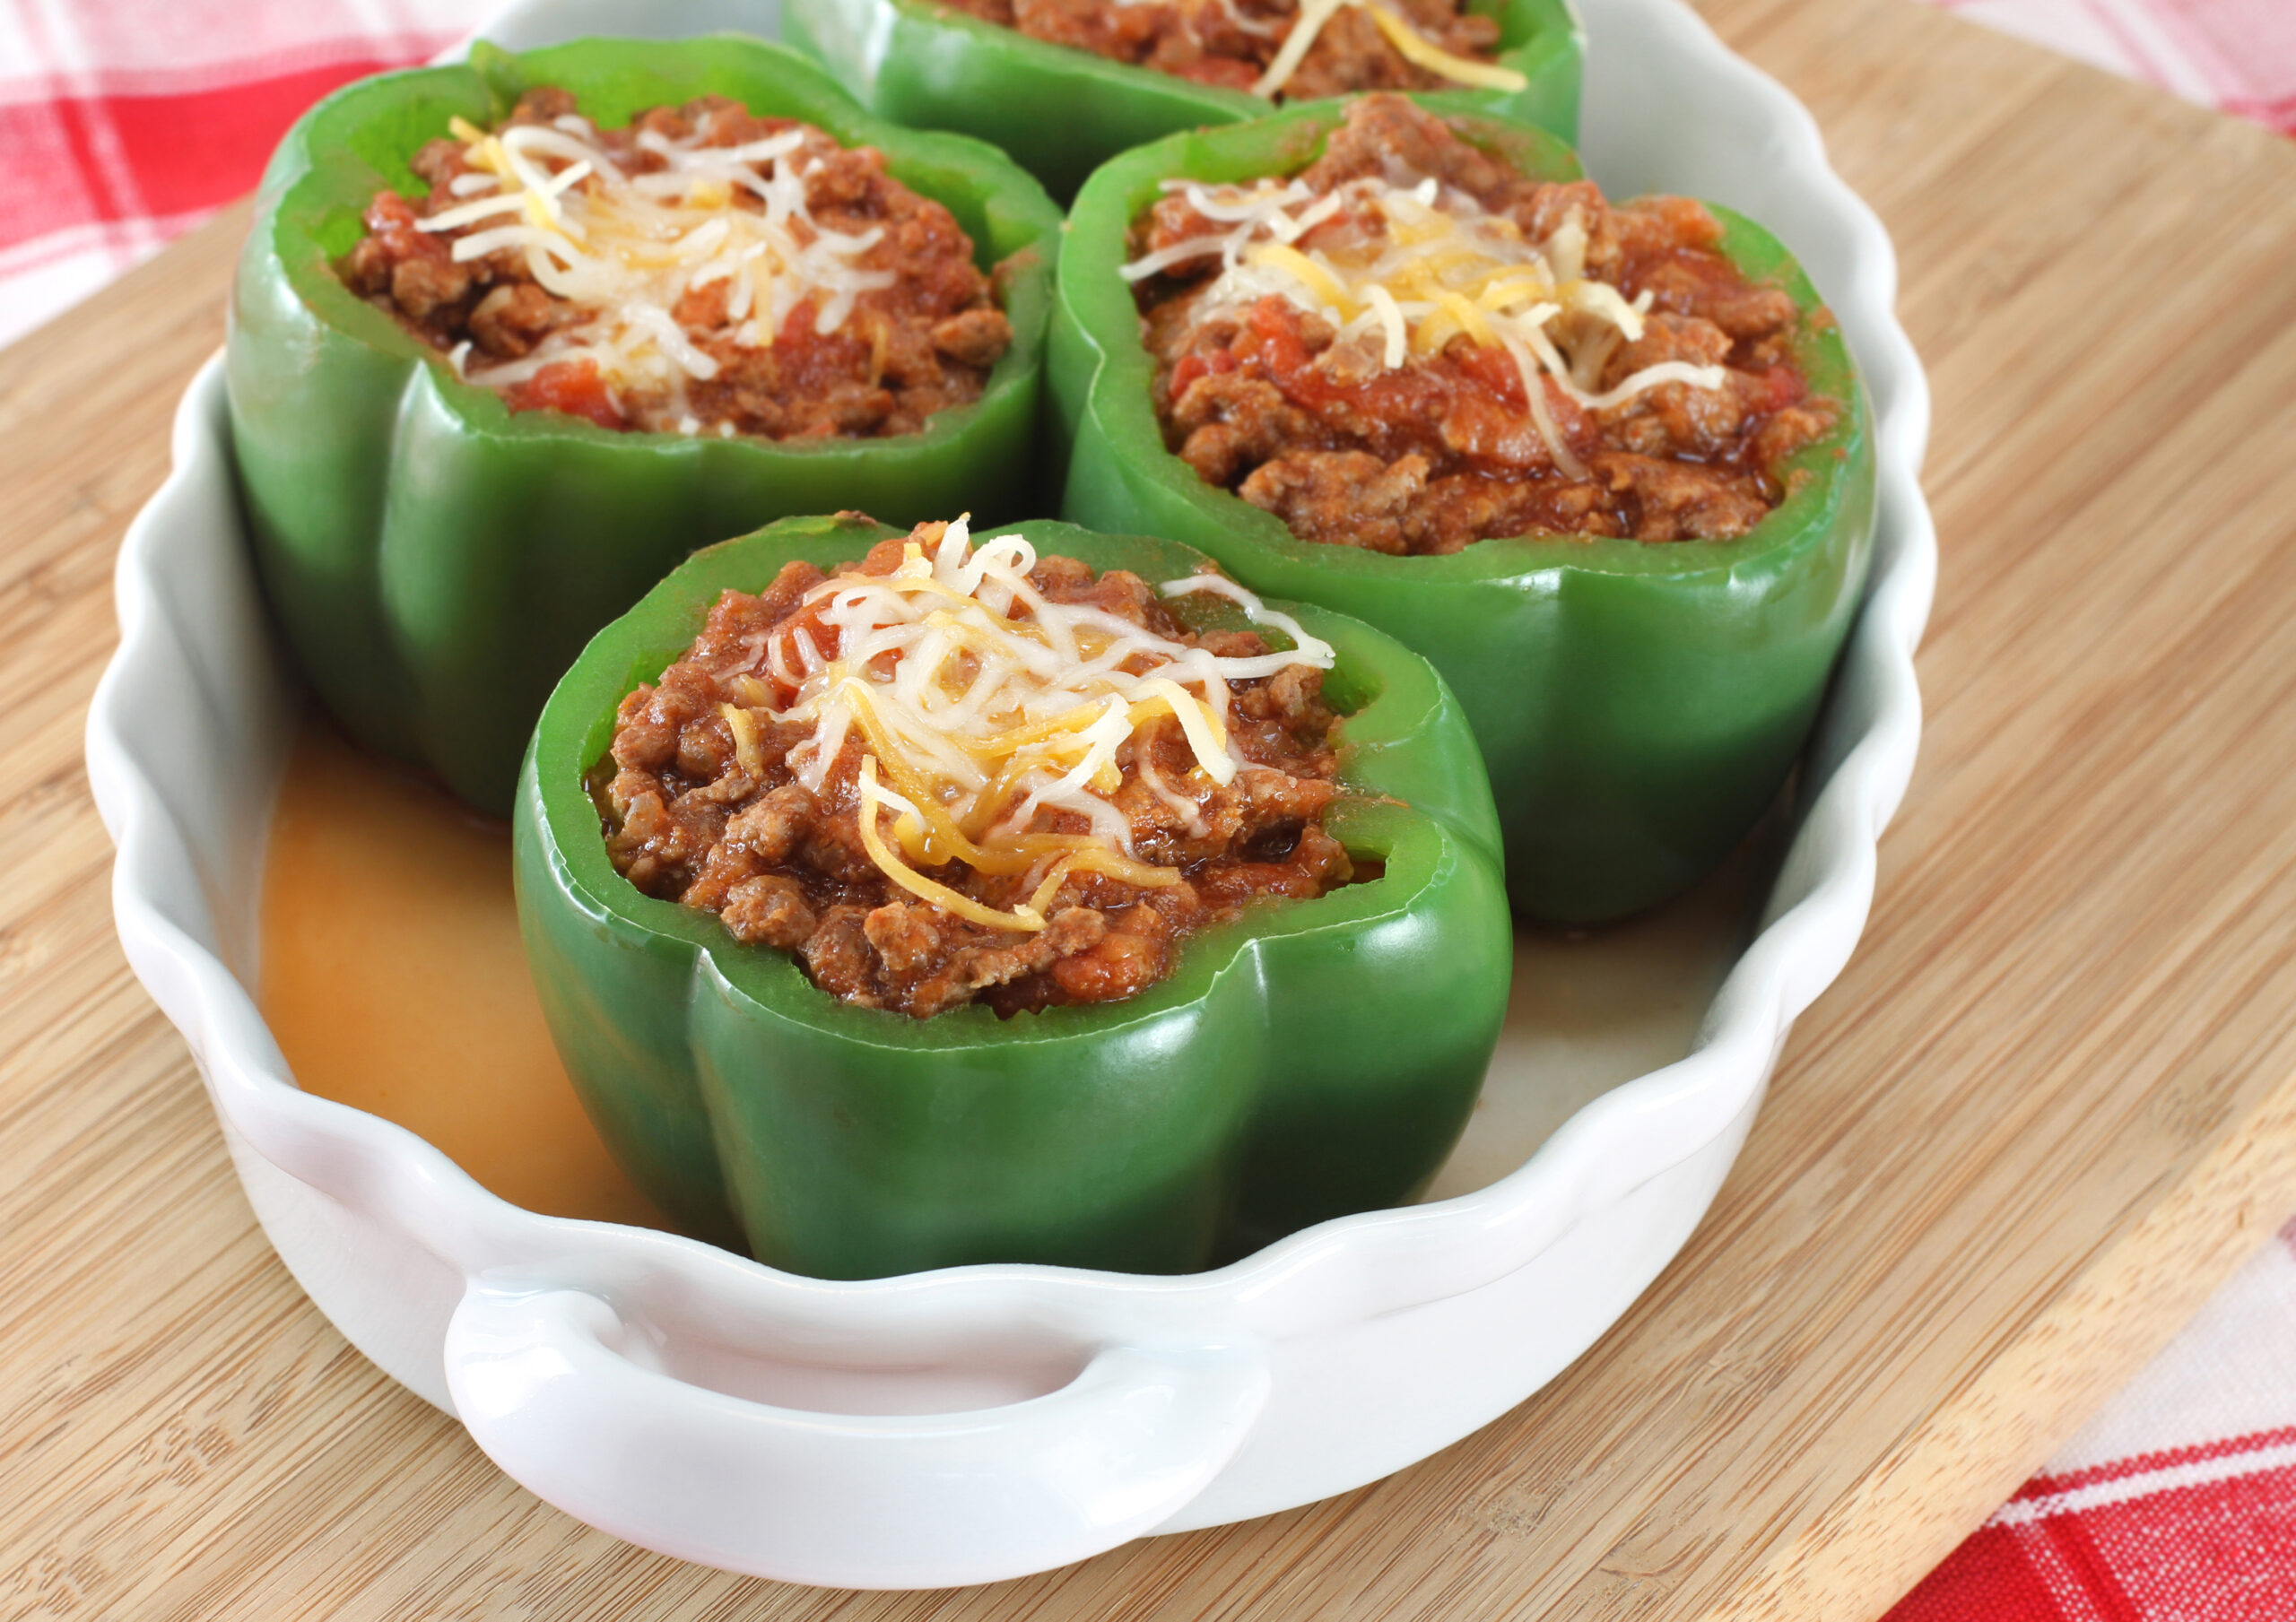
(1314, 1058)
(1639, 703)
(1061, 112)
(436, 558)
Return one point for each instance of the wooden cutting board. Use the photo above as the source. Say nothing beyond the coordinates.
(2051, 1105)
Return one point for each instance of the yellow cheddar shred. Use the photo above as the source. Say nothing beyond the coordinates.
(977, 705)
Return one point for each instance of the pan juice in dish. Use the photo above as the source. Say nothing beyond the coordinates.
(392, 979)
(1039, 942)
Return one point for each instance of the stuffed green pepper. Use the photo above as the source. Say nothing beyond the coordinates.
(1606, 465)
(899, 902)
(1063, 85)
(509, 339)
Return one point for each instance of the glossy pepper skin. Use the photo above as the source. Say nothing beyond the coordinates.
(1314, 1058)
(1639, 703)
(1061, 112)
(437, 559)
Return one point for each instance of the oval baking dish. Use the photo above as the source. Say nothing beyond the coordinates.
(977, 1423)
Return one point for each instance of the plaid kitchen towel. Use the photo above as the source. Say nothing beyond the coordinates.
(124, 122)
(2237, 55)
(2178, 1504)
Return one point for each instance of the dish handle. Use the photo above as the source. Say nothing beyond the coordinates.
(837, 1499)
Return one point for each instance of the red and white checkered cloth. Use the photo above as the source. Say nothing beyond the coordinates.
(124, 122)
(2178, 1504)
(2237, 55)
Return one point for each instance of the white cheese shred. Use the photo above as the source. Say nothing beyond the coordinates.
(629, 246)
(977, 704)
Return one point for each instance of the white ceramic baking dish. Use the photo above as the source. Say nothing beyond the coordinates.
(983, 1422)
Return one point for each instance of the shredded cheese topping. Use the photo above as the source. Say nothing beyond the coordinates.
(629, 246)
(1401, 271)
(976, 703)
(1410, 44)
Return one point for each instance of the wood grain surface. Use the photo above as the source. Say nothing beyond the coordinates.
(2048, 1107)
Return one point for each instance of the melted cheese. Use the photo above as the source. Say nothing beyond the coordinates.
(977, 704)
(628, 247)
(1404, 270)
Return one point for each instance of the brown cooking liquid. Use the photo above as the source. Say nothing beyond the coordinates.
(394, 980)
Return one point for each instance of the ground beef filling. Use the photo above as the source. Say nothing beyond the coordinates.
(1435, 454)
(921, 345)
(1231, 43)
(785, 867)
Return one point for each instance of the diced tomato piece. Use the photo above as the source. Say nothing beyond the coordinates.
(1272, 336)
(1200, 364)
(388, 209)
(785, 650)
(391, 219)
(572, 386)
(1491, 367)
(1785, 385)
